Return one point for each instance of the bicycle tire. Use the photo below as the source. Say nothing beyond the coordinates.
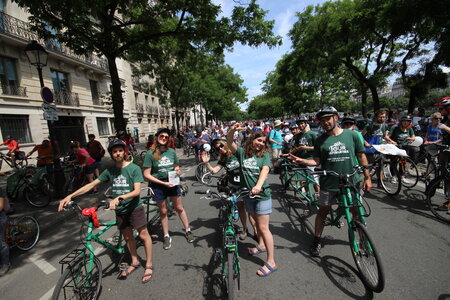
(70, 284)
(142, 155)
(437, 197)
(230, 277)
(367, 259)
(411, 173)
(26, 232)
(38, 195)
(430, 173)
(389, 182)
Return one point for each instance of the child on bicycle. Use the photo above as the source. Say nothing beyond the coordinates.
(126, 179)
(5, 264)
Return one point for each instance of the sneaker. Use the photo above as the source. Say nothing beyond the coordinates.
(4, 269)
(394, 180)
(243, 235)
(315, 248)
(189, 236)
(167, 242)
(406, 181)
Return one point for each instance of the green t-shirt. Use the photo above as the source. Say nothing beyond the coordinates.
(250, 170)
(123, 180)
(373, 129)
(160, 168)
(399, 135)
(338, 153)
(232, 165)
(2, 193)
(307, 139)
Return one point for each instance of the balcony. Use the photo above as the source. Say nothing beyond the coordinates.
(139, 108)
(20, 29)
(14, 90)
(152, 110)
(66, 98)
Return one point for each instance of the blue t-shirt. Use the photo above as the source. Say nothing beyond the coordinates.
(275, 134)
(434, 134)
(199, 146)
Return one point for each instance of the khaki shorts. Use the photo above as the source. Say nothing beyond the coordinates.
(276, 153)
(135, 219)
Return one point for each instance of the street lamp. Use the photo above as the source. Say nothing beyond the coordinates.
(38, 57)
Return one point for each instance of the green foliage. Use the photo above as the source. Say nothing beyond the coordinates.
(266, 107)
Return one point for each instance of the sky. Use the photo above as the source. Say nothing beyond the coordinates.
(254, 63)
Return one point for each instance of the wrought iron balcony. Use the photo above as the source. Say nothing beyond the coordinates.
(96, 99)
(66, 98)
(139, 108)
(14, 90)
(12, 26)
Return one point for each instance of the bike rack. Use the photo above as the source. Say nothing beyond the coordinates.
(71, 258)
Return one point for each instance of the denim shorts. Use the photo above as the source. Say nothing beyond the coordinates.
(161, 192)
(259, 207)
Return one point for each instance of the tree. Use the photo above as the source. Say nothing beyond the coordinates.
(112, 27)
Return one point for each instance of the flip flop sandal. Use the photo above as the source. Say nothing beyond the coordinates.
(264, 273)
(147, 275)
(128, 273)
(252, 253)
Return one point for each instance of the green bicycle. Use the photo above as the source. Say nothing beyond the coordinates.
(228, 216)
(302, 182)
(82, 276)
(363, 249)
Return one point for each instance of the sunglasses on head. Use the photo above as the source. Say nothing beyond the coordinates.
(220, 146)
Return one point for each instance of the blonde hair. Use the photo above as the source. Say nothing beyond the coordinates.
(156, 149)
(436, 115)
(250, 150)
(225, 156)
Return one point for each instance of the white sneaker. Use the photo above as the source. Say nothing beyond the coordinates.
(406, 181)
(394, 180)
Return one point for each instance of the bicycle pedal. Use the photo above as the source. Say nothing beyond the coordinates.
(123, 266)
(340, 224)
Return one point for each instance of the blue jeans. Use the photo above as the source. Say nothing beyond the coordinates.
(4, 247)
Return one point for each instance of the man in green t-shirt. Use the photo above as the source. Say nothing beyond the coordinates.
(125, 178)
(336, 150)
(304, 141)
(376, 132)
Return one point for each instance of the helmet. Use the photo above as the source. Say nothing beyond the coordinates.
(445, 101)
(116, 143)
(302, 119)
(327, 111)
(350, 120)
(294, 126)
(161, 130)
(406, 118)
(206, 147)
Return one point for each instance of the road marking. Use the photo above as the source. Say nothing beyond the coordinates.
(42, 264)
(99, 250)
(48, 295)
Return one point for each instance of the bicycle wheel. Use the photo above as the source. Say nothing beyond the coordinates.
(25, 232)
(389, 179)
(79, 282)
(409, 172)
(230, 277)
(366, 258)
(438, 199)
(142, 155)
(431, 172)
(38, 195)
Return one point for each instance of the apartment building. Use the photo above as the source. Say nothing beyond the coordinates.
(81, 86)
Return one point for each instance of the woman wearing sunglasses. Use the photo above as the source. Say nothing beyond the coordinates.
(228, 161)
(254, 161)
(158, 162)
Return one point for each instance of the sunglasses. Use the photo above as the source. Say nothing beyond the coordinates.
(220, 146)
(164, 137)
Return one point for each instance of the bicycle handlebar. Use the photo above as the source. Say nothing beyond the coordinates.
(358, 169)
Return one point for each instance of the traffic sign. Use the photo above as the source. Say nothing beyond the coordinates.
(48, 107)
(47, 95)
(51, 116)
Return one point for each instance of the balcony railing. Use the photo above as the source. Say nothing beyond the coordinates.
(96, 99)
(14, 90)
(21, 29)
(139, 108)
(66, 98)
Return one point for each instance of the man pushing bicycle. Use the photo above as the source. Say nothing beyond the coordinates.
(336, 150)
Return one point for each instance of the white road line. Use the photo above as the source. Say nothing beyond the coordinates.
(99, 250)
(42, 264)
(47, 295)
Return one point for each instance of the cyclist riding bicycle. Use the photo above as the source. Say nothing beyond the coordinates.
(444, 156)
(125, 178)
(231, 164)
(402, 134)
(45, 155)
(336, 150)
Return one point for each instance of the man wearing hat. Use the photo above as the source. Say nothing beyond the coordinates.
(276, 142)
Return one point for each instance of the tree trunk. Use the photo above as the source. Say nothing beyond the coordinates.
(116, 95)
(412, 99)
(363, 90)
(375, 98)
(177, 119)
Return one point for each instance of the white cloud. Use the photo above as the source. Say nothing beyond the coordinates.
(285, 21)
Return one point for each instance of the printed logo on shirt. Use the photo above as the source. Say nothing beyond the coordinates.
(233, 165)
(251, 163)
(164, 162)
(120, 181)
(338, 148)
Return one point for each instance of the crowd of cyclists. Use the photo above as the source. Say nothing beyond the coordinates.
(248, 152)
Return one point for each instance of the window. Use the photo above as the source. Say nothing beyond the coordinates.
(94, 92)
(136, 97)
(113, 128)
(103, 127)
(60, 81)
(16, 126)
(8, 76)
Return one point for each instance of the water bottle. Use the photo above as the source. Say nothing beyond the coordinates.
(235, 214)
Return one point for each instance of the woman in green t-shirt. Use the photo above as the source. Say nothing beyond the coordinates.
(229, 161)
(254, 163)
(158, 162)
